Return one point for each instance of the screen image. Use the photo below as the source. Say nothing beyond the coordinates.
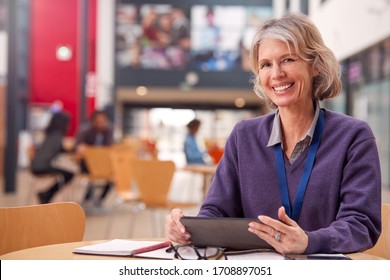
(159, 44)
(215, 38)
(219, 43)
(153, 37)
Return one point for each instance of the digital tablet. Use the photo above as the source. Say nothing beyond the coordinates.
(230, 233)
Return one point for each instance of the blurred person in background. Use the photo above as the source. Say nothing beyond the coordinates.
(47, 152)
(309, 175)
(97, 133)
(191, 149)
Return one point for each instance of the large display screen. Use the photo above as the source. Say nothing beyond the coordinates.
(175, 39)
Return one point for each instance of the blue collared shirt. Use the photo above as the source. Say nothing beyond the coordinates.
(276, 134)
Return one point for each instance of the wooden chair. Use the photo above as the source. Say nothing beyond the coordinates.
(123, 179)
(382, 247)
(153, 179)
(97, 160)
(123, 147)
(38, 225)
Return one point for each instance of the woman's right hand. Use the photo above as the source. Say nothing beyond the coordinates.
(176, 232)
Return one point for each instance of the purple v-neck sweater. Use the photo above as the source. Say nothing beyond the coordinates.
(341, 210)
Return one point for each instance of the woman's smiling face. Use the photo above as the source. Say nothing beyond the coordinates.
(284, 77)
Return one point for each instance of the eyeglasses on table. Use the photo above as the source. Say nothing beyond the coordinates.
(190, 252)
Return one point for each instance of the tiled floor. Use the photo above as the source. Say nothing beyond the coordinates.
(185, 187)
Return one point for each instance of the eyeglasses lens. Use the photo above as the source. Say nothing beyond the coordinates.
(187, 252)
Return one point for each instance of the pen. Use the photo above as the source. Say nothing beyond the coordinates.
(151, 248)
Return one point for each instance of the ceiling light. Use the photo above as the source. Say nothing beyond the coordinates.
(239, 102)
(141, 91)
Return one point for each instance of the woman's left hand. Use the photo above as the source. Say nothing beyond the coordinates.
(285, 235)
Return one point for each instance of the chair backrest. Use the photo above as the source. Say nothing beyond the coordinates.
(98, 162)
(122, 174)
(153, 178)
(38, 225)
(123, 147)
(382, 247)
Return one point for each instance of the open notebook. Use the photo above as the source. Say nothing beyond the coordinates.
(128, 248)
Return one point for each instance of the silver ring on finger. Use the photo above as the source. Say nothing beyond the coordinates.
(277, 236)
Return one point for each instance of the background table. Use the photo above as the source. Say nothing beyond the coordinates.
(64, 252)
(206, 170)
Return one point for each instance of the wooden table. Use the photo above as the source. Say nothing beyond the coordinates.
(64, 252)
(205, 170)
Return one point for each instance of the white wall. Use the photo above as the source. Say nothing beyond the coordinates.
(349, 26)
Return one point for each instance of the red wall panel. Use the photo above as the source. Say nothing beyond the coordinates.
(54, 23)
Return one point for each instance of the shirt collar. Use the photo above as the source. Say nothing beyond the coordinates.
(276, 132)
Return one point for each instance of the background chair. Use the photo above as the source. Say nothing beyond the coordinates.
(37, 225)
(97, 160)
(153, 179)
(123, 179)
(382, 247)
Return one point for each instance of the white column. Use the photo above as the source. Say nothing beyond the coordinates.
(105, 52)
(295, 5)
(3, 56)
(314, 7)
(279, 8)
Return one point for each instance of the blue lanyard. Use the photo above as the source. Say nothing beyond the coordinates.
(296, 211)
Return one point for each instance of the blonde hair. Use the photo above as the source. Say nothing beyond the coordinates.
(297, 31)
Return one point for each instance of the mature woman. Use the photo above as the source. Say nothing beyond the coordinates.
(311, 176)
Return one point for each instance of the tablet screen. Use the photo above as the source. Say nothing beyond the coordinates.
(230, 233)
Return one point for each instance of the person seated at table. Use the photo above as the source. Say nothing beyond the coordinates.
(97, 133)
(48, 151)
(309, 175)
(191, 149)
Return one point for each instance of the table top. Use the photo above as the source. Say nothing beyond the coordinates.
(64, 251)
